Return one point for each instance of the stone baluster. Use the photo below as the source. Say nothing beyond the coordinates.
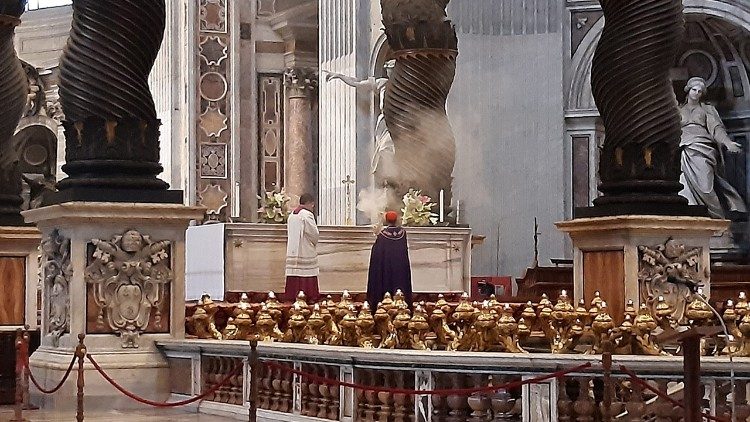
(618, 399)
(361, 376)
(324, 400)
(503, 405)
(743, 405)
(304, 394)
(287, 396)
(401, 401)
(207, 376)
(222, 395)
(264, 388)
(333, 393)
(584, 406)
(479, 403)
(458, 404)
(439, 403)
(314, 390)
(276, 389)
(371, 396)
(237, 382)
(723, 403)
(663, 409)
(386, 399)
(635, 406)
(564, 404)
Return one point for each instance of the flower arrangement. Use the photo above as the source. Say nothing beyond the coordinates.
(274, 208)
(417, 210)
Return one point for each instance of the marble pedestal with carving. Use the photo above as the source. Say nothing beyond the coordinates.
(19, 267)
(251, 257)
(631, 258)
(114, 271)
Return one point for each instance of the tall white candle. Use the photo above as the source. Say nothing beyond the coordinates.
(442, 205)
(458, 211)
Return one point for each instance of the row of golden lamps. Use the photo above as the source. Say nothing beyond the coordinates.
(559, 327)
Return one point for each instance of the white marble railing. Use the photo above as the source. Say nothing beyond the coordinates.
(284, 396)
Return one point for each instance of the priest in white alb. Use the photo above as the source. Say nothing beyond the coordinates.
(301, 251)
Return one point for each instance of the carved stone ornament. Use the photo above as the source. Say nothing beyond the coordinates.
(130, 274)
(56, 271)
(301, 82)
(667, 271)
(214, 198)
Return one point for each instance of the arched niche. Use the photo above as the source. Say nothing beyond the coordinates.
(36, 142)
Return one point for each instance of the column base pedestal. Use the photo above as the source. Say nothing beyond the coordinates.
(115, 272)
(632, 258)
(143, 372)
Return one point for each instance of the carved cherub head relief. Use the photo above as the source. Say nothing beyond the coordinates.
(132, 241)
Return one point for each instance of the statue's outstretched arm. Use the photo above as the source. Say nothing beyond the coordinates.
(718, 131)
(368, 83)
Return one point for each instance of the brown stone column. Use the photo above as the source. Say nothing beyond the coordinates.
(301, 85)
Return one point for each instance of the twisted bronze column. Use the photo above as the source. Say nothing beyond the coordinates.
(13, 91)
(640, 161)
(425, 47)
(111, 128)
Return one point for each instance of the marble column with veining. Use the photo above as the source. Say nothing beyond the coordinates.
(298, 146)
(338, 109)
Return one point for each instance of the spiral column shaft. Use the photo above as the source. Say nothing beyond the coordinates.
(13, 91)
(639, 165)
(111, 127)
(425, 47)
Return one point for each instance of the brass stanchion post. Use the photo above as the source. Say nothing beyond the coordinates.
(80, 354)
(608, 387)
(26, 369)
(18, 409)
(253, 411)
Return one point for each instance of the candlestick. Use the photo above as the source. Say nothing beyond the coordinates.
(442, 205)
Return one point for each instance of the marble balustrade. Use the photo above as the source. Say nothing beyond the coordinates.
(283, 396)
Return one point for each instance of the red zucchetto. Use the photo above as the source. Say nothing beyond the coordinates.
(391, 217)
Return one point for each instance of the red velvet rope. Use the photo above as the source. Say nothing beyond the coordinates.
(662, 395)
(58, 386)
(444, 392)
(119, 388)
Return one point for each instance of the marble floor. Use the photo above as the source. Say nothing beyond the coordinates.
(6, 414)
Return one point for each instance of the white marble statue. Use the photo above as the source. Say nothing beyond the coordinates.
(703, 135)
(382, 158)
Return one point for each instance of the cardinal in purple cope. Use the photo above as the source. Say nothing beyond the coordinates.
(390, 268)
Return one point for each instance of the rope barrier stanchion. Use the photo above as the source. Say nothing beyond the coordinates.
(26, 354)
(444, 392)
(20, 359)
(142, 400)
(608, 387)
(80, 354)
(635, 378)
(253, 361)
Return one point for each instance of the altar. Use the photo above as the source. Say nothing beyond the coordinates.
(247, 257)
